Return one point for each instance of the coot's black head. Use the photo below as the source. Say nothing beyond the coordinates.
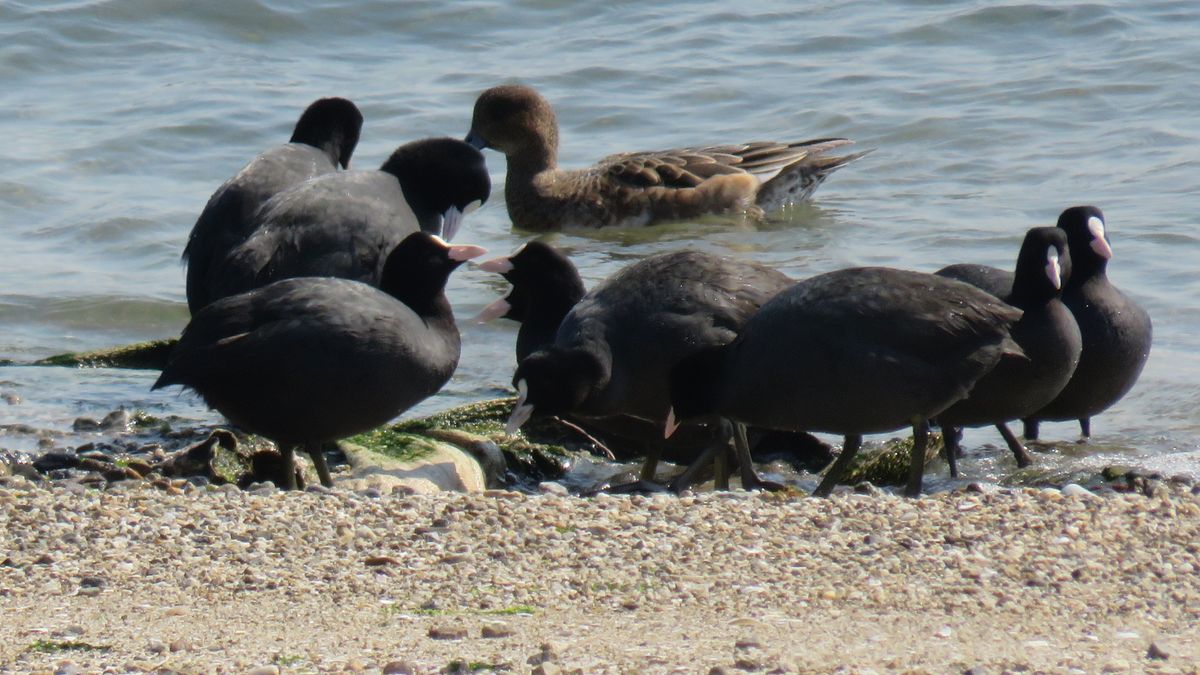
(544, 283)
(693, 386)
(1043, 265)
(333, 125)
(554, 381)
(416, 271)
(1087, 234)
(443, 180)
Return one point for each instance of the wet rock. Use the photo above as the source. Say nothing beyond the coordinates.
(218, 458)
(1076, 490)
(888, 464)
(552, 488)
(486, 452)
(143, 355)
(1112, 473)
(10, 399)
(85, 424)
(54, 461)
(117, 420)
(399, 459)
(398, 668)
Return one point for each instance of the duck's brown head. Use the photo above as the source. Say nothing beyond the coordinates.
(518, 121)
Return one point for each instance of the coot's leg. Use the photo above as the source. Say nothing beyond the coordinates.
(1031, 429)
(850, 446)
(916, 465)
(318, 458)
(1085, 427)
(645, 483)
(696, 469)
(952, 448)
(1018, 450)
(288, 452)
(650, 464)
(750, 477)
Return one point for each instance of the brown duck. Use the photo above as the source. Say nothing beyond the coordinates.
(638, 188)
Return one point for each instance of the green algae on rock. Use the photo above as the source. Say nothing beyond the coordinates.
(888, 463)
(150, 355)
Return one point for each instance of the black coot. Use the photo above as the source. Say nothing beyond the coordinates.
(324, 138)
(545, 286)
(345, 224)
(1116, 331)
(1046, 332)
(613, 350)
(309, 360)
(856, 351)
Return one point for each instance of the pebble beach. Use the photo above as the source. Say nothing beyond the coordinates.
(216, 579)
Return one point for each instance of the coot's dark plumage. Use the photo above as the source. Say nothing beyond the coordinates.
(324, 138)
(308, 360)
(1046, 332)
(345, 224)
(856, 351)
(1116, 331)
(613, 351)
(545, 286)
(642, 188)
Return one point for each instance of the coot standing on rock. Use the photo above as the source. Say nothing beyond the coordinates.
(613, 351)
(324, 138)
(309, 360)
(856, 351)
(1046, 332)
(345, 224)
(641, 188)
(1116, 331)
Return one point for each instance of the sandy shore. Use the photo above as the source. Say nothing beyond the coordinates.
(219, 580)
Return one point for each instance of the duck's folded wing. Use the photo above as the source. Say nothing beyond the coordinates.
(688, 167)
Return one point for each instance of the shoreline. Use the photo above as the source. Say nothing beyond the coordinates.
(221, 580)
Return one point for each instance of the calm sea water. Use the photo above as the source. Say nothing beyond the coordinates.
(121, 118)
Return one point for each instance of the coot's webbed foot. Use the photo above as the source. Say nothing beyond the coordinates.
(1020, 453)
(835, 472)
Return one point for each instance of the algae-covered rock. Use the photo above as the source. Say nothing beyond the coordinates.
(417, 463)
(542, 450)
(888, 463)
(219, 458)
(143, 355)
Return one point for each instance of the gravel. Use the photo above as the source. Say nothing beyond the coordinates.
(216, 580)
